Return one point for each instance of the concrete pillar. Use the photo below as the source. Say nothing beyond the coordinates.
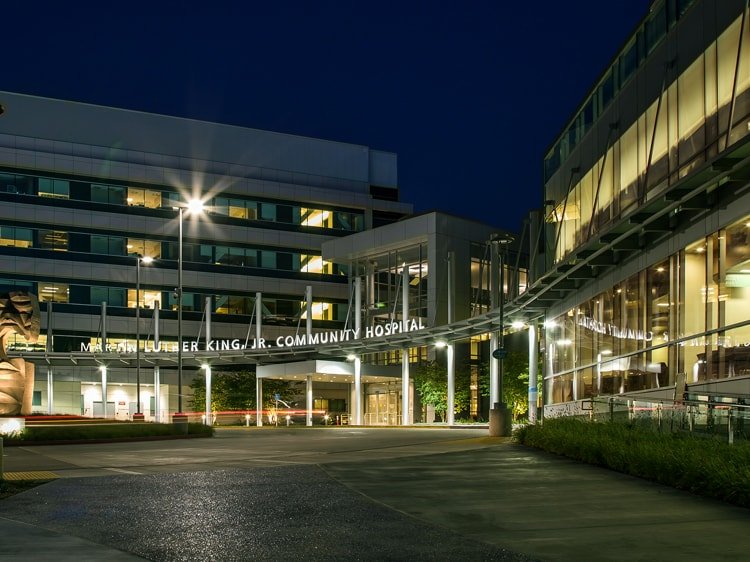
(49, 348)
(450, 352)
(308, 301)
(209, 420)
(103, 368)
(358, 360)
(357, 391)
(309, 394)
(157, 375)
(258, 381)
(406, 418)
(533, 368)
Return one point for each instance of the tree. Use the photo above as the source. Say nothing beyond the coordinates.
(516, 382)
(231, 391)
(431, 381)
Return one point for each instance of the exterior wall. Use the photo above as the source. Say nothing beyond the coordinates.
(678, 307)
(83, 189)
(668, 115)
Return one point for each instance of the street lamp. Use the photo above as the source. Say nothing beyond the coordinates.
(146, 260)
(499, 417)
(195, 207)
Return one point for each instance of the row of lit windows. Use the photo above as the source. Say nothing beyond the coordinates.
(661, 18)
(20, 237)
(157, 199)
(688, 314)
(665, 143)
(279, 310)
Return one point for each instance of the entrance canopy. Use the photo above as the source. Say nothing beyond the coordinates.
(328, 371)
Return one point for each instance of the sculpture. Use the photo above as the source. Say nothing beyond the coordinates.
(19, 312)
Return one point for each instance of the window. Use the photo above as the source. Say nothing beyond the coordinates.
(16, 237)
(316, 217)
(53, 292)
(146, 248)
(36, 399)
(110, 245)
(113, 296)
(140, 197)
(54, 188)
(111, 194)
(53, 240)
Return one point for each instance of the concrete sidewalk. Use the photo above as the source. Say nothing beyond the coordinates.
(552, 508)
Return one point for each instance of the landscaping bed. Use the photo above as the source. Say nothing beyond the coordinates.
(704, 466)
(92, 432)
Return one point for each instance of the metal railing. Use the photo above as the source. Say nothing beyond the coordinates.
(715, 415)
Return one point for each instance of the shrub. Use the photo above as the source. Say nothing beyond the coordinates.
(704, 466)
(104, 431)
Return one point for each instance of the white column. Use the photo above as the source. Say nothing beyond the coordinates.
(308, 301)
(494, 368)
(357, 360)
(450, 352)
(406, 418)
(208, 322)
(157, 375)
(258, 381)
(309, 401)
(209, 420)
(49, 348)
(451, 406)
(357, 391)
(208, 395)
(103, 369)
(357, 306)
(533, 390)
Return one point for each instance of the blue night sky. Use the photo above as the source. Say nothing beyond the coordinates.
(469, 94)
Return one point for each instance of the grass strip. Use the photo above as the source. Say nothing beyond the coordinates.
(708, 467)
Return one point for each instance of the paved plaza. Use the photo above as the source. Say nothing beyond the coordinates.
(350, 493)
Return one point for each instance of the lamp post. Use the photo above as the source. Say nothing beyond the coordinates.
(146, 260)
(194, 206)
(499, 416)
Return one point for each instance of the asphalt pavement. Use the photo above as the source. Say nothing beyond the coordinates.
(354, 494)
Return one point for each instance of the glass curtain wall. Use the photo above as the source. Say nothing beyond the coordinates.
(686, 126)
(687, 314)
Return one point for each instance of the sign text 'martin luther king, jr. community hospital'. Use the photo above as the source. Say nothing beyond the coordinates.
(297, 340)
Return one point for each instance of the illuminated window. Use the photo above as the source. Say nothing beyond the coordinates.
(54, 292)
(316, 217)
(16, 237)
(139, 197)
(148, 298)
(53, 240)
(314, 264)
(149, 248)
(320, 311)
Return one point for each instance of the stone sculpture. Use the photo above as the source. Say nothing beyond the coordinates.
(19, 313)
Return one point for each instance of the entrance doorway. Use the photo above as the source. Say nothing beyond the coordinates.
(383, 408)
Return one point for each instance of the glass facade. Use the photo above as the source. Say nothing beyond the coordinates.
(684, 126)
(687, 314)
